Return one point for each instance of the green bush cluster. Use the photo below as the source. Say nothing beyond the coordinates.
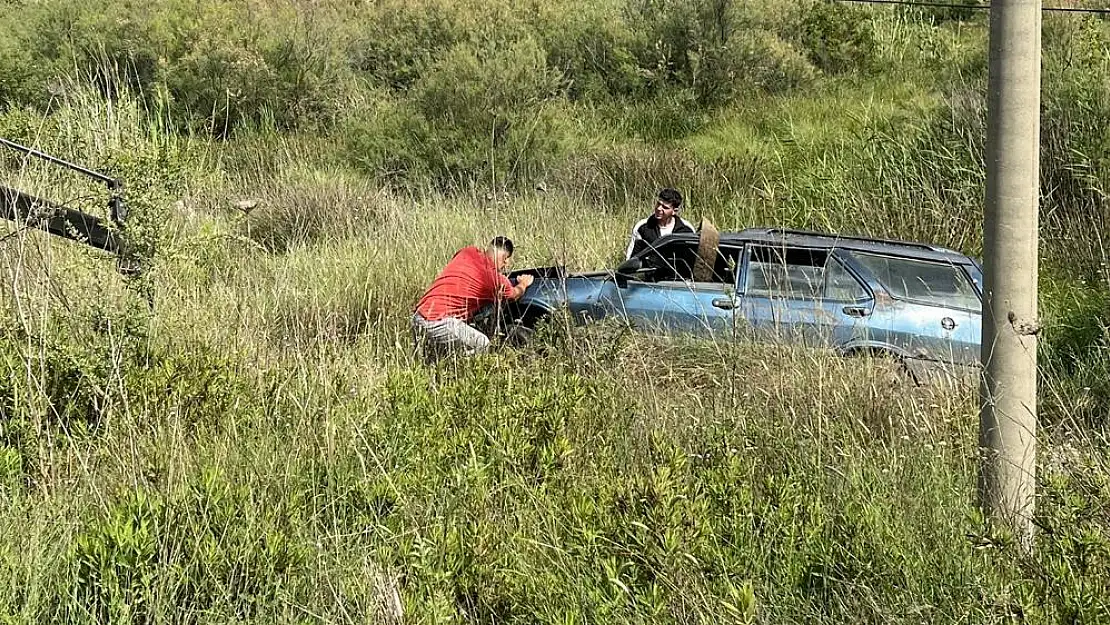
(215, 65)
(837, 36)
(449, 92)
(475, 111)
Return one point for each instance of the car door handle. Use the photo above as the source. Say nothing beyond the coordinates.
(856, 311)
(724, 303)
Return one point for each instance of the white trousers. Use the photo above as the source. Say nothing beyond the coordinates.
(450, 335)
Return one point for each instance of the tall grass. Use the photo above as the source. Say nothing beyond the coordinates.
(245, 436)
(263, 448)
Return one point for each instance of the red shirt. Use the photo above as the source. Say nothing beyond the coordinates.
(468, 282)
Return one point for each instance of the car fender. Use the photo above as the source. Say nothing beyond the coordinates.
(529, 309)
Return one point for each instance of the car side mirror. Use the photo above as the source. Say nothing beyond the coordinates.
(630, 269)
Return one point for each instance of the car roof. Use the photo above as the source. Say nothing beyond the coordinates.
(805, 238)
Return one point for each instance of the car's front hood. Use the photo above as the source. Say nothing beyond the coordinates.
(554, 287)
(557, 272)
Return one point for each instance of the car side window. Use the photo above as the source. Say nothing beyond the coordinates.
(930, 282)
(840, 284)
(785, 272)
(793, 273)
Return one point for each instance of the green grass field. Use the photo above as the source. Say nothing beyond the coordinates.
(243, 435)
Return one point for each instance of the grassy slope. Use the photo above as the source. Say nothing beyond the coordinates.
(261, 448)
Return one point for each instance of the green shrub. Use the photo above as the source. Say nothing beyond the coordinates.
(390, 140)
(592, 47)
(155, 175)
(714, 49)
(1072, 565)
(221, 65)
(764, 62)
(475, 116)
(224, 81)
(398, 41)
(116, 560)
(61, 384)
(488, 110)
(837, 37)
(110, 49)
(197, 385)
(25, 126)
(685, 45)
(20, 83)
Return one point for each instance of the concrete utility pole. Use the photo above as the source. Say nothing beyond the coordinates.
(1008, 415)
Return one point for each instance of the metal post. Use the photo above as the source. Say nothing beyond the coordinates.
(1008, 415)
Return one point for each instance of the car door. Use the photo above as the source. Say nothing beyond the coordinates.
(803, 295)
(668, 300)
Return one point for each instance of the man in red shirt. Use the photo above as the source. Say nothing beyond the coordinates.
(471, 280)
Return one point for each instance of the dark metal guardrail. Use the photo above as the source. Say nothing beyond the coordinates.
(66, 222)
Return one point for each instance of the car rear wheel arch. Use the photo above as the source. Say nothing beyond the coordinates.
(895, 358)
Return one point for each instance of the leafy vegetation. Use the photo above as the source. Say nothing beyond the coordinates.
(242, 433)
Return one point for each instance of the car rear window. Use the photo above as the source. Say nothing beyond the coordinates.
(943, 284)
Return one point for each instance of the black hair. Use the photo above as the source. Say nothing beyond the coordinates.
(503, 243)
(672, 197)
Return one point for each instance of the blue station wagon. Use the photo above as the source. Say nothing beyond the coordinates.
(851, 294)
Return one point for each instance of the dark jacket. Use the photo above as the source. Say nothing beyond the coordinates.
(646, 232)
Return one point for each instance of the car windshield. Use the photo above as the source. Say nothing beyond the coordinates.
(943, 284)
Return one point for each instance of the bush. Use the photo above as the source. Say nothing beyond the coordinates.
(399, 41)
(837, 37)
(241, 68)
(767, 63)
(593, 48)
(390, 140)
(20, 83)
(94, 41)
(221, 65)
(476, 115)
(685, 45)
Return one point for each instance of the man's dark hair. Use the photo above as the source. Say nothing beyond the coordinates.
(502, 243)
(672, 197)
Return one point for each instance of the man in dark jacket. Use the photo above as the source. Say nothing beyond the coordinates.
(663, 220)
